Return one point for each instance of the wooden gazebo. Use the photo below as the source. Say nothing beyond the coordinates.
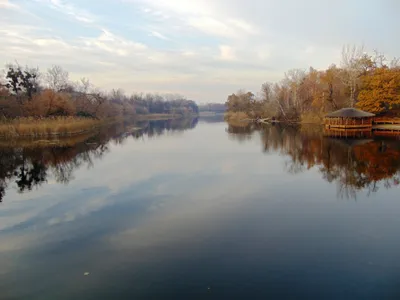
(349, 118)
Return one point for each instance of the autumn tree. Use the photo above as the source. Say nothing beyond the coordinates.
(240, 102)
(268, 104)
(333, 88)
(381, 90)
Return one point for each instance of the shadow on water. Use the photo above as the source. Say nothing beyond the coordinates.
(29, 164)
(366, 163)
(217, 118)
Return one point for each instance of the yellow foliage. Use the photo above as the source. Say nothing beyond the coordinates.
(381, 90)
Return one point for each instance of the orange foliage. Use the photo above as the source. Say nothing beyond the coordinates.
(377, 161)
(381, 90)
(49, 103)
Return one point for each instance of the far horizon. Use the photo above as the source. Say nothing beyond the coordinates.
(204, 50)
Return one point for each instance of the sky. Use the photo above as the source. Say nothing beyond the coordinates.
(202, 49)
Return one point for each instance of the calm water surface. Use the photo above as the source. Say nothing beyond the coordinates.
(200, 210)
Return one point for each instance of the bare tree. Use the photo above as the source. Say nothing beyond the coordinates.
(83, 85)
(293, 79)
(395, 63)
(267, 92)
(379, 59)
(352, 68)
(57, 78)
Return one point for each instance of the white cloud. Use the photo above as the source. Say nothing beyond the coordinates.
(229, 29)
(48, 42)
(71, 10)
(159, 35)
(204, 16)
(179, 6)
(109, 42)
(7, 5)
(310, 50)
(227, 52)
(210, 47)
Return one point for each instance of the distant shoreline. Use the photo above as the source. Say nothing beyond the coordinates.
(159, 117)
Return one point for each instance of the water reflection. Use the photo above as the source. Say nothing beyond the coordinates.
(218, 118)
(196, 215)
(29, 164)
(353, 164)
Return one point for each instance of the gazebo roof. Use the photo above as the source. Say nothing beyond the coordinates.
(349, 113)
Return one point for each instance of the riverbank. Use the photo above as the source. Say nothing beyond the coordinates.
(48, 127)
(155, 117)
(242, 117)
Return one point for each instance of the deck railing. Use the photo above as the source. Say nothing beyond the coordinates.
(386, 120)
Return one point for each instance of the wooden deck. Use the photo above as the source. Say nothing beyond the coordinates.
(379, 126)
(376, 130)
(386, 121)
(386, 130)
(386, 127)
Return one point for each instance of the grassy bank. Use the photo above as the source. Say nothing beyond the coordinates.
(48, 127)
(237, 119)
(306, 118)
(236, 116)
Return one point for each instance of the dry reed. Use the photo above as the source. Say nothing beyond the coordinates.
(46, 127)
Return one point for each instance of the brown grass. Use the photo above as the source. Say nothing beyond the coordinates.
(237, 119)
(46, 127)
(236, 116)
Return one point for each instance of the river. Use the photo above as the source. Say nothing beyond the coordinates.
(199, 209)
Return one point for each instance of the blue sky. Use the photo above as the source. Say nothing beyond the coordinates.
(203, 49)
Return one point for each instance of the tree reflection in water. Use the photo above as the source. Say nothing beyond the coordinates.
(30, 163)
(353, 164)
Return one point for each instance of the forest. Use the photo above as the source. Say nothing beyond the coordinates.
(367, 82)
(28, 93)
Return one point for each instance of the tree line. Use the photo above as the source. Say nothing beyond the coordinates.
(364, 81)
(27, 92)
(212, 107)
